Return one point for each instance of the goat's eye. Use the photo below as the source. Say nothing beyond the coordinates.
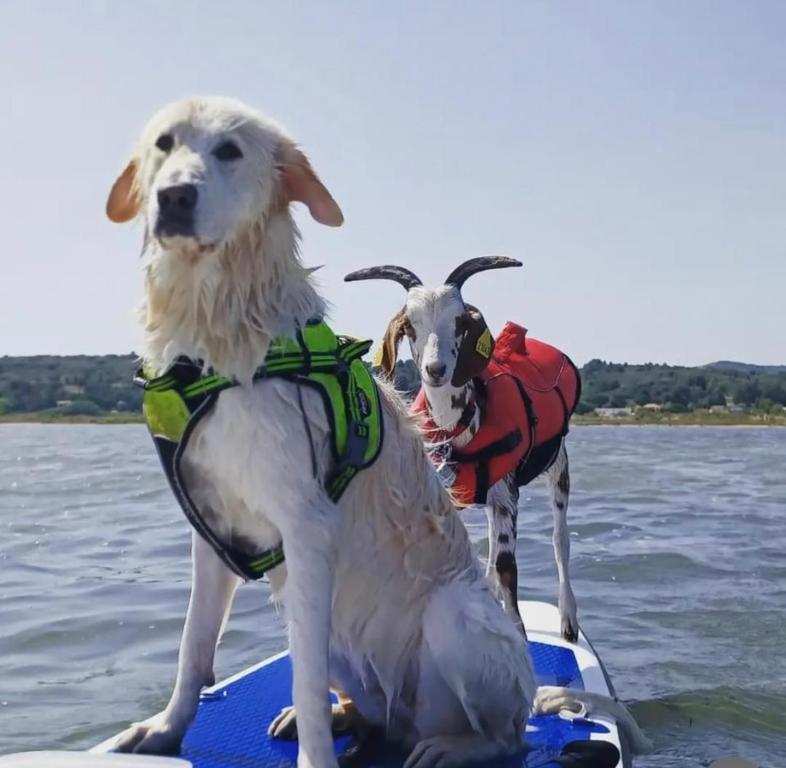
(227, 151)
(165, 142)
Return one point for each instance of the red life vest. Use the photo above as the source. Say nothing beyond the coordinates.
(526, 394)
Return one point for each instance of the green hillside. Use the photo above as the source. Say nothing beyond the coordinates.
(90, 385)
(679, 389)
(81, 385)
(672, 388)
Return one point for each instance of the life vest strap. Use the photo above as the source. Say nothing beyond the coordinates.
(504, 444)
(175, 402)
(482, 458)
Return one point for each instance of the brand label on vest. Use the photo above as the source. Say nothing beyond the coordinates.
(364, 406)
(483, 346)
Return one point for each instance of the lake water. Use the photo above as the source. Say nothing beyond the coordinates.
(678, 563)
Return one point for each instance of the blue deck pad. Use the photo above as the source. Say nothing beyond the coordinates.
(230, 730)
(555, 665)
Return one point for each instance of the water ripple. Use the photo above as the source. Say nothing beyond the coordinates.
(677, 541)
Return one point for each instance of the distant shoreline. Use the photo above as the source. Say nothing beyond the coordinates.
(692, 419)
(55, 418)
(662, 419)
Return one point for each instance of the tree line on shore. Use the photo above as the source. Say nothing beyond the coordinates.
(672, 388)
(97, 384)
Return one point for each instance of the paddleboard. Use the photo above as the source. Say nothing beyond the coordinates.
(230, 729)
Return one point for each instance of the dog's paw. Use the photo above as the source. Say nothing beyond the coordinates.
(457, 751)
(440, 752)
(151, 737)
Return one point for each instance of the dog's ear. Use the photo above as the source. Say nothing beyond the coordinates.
(123, 202)
(397, 328)
(477, 346)
(302, 184)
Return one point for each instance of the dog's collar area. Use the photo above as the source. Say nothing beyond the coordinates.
(315, 349)
(316, 358)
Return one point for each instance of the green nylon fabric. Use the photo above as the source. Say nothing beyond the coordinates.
(330, 363)
(318, 358)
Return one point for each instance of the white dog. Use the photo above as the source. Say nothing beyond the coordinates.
(383, 594)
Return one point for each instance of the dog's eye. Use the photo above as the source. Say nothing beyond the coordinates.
(165, 142)
(227, 151)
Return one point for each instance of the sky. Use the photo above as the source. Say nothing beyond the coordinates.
(631, 154)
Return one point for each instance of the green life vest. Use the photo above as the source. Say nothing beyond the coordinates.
(175, 402)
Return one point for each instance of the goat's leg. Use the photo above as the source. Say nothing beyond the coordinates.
(501, 568)
(558, 478)
(212, 589)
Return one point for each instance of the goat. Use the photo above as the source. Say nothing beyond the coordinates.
(445, 335)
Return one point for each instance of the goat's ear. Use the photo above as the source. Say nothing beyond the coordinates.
(396, 329)
(476, 348)
(300, 183)
(123, 203)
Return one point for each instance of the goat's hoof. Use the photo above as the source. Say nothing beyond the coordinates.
(570, 630)
(569, 623)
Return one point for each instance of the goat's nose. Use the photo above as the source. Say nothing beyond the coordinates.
(436, 370)
(180, 198)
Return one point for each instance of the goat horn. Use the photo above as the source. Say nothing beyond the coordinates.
(388, 272)
(463, 271)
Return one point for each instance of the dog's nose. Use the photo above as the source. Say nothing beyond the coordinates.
(178, 199)
(436, 370)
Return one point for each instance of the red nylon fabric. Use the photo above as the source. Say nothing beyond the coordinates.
(552, 384)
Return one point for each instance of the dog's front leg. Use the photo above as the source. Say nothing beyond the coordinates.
(212, 589)
(310, 554)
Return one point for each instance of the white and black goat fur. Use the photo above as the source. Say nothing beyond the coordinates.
(438, 323)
